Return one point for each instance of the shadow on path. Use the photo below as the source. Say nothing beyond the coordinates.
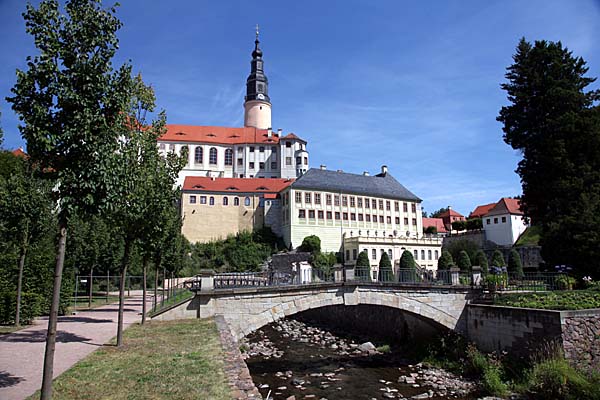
(84, 320)
(7, 380)
(40, 336)
(109, 310)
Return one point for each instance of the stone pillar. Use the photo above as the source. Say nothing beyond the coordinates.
(476, 279)
(207, 279)
(454, 276)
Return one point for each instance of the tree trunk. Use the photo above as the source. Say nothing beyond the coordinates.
(53, 318)
(91, 287)
(20, 285)
(145, 268)
(164, 285)
(107, 284)
(158, 261)
(124, 264)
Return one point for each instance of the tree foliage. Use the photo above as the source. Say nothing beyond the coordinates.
(482, 261)
(385, 262)
(311, 244)
(497, 259)
(407, 261)
(438, 213)
(430, 230)
(555, 124)
(474, 224)
(456, 246)
(363, 259)
(459, 225)
(445, 261)
(464, 262)
(514, 263)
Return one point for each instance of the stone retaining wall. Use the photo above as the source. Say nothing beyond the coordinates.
(581, 337)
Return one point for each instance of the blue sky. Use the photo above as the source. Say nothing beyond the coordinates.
(410, 84)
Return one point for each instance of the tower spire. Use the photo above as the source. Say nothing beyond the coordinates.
(257, 102)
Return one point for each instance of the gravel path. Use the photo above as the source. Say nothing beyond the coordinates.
(22, 352)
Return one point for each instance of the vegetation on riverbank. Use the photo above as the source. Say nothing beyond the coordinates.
(558, 300)
(160, 360)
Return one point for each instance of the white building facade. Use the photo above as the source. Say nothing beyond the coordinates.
(505, 222)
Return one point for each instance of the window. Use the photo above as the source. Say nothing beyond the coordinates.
(240, 149)
(352, 201)
(305, 160)
(336, 200)
(298, 197)
(347, 255)
(308, 197)
(288, 161)
(228, 157)
(374, 218)
(388, 205)
(354, 254)
(367, 203)
(416, 254)
(211, 201)
(359, 201)
(405, 207)
(247, 201)
(374, 254)
(352, 217)
(202, 199)
(405, 221)
(429, 256)
(251, 149)
(198, 155)
(236, 201)
(397, 206)
(240, 162)
(261, 165)
(487, 221)
(361, 217)
(413, 207)
(301, 213)
(368, 217)
(381, 204)
(397, 221)
(374, 204)
(273, 164)
(390, 254)
(345, 216)
(328, 199)
(414, 222)
(389, 219)
(381, 219)
(345, 201)
(274, 150)
(288, 144)
(261, 149)
(320, 214)
(225, 201)
(311, 214)
(496, 220)
(161, 146)
(251, 165)
(329, 215)
(298, 160)
(212, 156)
(503, 220)
(317, 198)
(192, 199)
(337, 215)
(422, 254)
(437, 255)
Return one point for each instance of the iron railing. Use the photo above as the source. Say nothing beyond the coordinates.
(528, 281)
(240, 279)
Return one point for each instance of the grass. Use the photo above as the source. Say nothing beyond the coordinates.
(180, 296)
(531, 237)
(557, 300)
(6, 329)
(97, 301)
(159, 360)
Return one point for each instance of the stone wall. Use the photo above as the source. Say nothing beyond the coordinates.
(581, 337)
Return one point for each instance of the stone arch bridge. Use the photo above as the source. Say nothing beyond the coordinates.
(248, 309)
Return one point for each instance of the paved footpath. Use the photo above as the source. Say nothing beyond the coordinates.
(22, 352)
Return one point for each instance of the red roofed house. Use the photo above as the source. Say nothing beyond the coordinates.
(480, 211)
(504, 222)
(251, 151)
(213, 208)
(438, 223)
(450, 216)
(19, 153)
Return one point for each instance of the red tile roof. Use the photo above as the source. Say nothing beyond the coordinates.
(437, 222)
(480, 211)
(506, 205)
(270, 195)
(293, 136)
(451, 213)
(221, 135)
(235, 185)
(19, 152)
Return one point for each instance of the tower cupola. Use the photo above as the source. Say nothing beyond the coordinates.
(257, 105)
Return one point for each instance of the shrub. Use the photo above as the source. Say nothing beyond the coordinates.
(481, 260)
(467, 245)
(445, 261)
(514, 264)
(474, 224)
(464, 262)
(498, 259)
(488, 368)
(311, 244)
(557, 379)
(431, 230)
(384, 348)
(31, 307)
(459, 225)
(407, 260)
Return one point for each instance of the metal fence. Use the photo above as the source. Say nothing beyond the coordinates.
(101, 289)
(529, 281)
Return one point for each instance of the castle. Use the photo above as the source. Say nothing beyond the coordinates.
(245, 178)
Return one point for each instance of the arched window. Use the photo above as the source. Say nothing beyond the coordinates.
(236, 201)
(228, 157)
(198, 155)
(429, 256)
(390, 254)
(422, 254)
(225, 201)
(212, 156)
(247, 201)
(416, 252)
(211, 201)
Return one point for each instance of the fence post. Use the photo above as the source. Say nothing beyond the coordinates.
(207, 279)
(454, 276)
(476, 278)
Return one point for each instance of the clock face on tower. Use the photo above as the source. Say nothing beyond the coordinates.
(260, 96)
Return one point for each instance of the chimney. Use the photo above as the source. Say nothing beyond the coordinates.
(269, 132)
(449, 208)
(366, 173)
(279, 132)
(384, 169)
(323, 167)
(212, 178)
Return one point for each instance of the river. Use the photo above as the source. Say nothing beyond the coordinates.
(291, 359)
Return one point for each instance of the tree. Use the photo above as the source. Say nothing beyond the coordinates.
(555, 124)
(430, 230)
(464, 262)
(70, 100)
(1, 135)
(456, 246)
(407, 260)
(459, 225)
(474, 224)
(385, 268)
(311, 244)
(363, 265)
(482, 261)
(497, 259)
(515, 266)
(438, 213)
(445, 261)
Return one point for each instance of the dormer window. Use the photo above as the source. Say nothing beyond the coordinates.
(211, 135)
(180, 133)
(232, 188)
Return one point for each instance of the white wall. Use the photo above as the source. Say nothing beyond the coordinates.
(503, 233)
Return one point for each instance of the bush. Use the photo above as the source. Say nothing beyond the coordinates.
(459, 225)
(498, 259)
(407, 260)
(467, 245)
(514, 264)
(464, 262)
(481, 260)
(557, 379)
(474, 224)
(32, 305)
(488, 368)
(311, 244)
(430, 230)
(445, 261)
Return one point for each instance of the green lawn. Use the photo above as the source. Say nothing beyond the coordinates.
(182, 295)
(5, 329)
(531, 237)
(97, 301)
(160, 360)
(558, 300)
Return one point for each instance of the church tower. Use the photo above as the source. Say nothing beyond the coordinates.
(257, 104)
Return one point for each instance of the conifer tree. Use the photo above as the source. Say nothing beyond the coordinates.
(385, 268)
(407, 261)
(445, 261)
(482, 261)
(363, 265)
(464, 262)
(515, 266)
(497, 259)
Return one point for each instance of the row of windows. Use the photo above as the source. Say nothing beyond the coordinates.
(430, 254)
(211, 200)
(352, 200)
(261, 165)
(351, 216)
(212, 156)
(488, 220)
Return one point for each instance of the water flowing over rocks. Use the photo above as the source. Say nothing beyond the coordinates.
(294, 360)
